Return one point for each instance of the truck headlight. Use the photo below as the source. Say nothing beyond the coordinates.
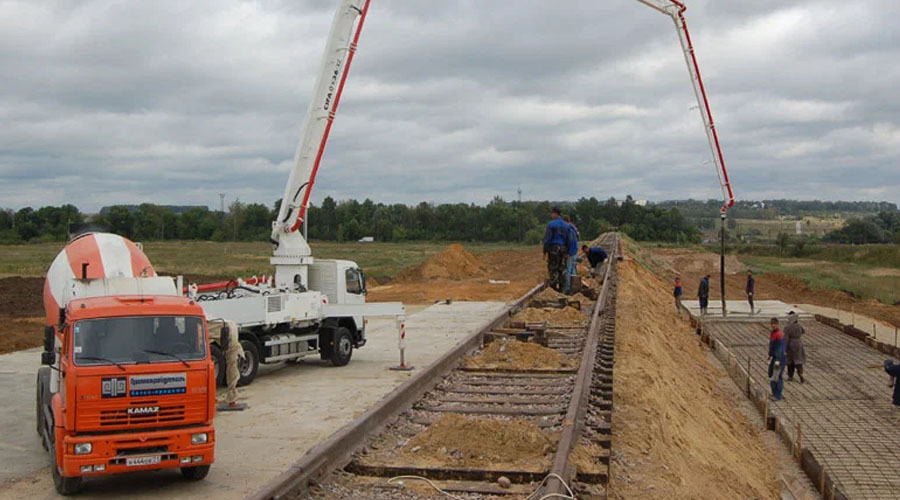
(201, 438)
(83, 448)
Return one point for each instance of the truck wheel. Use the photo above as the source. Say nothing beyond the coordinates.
(249, 365)
(342, 349)
(64, 485)
(218, 359)
(195, 473)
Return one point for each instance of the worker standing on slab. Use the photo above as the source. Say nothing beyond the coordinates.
(796, 355)
(703, 294)
(556, 249)
(776, 360)
(595, 256)
(225, 334)
(893, 369)
(573, 253)
(679, 293)
(751, 287)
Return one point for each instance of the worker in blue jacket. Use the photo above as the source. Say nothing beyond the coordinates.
(893, 369)
(595, 257)
(557, 240)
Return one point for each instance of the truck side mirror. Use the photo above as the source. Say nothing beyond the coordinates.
(49, 338)
(48, 357)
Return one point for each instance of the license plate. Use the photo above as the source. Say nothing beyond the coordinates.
(138, 461)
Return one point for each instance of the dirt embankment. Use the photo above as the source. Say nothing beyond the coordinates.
(692, 266)
(676, 435)
(459, 275)
(21, 313)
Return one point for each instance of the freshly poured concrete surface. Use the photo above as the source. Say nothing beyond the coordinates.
(740, 309)
(292, 408)
(883, 332)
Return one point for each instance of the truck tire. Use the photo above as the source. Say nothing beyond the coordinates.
(195, 473)
(64, 485)
(342, 349)
(249, 365)
(218, 358)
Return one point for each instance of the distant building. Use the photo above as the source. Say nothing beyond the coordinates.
(367, 239)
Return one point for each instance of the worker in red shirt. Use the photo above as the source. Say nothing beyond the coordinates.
(776, 360)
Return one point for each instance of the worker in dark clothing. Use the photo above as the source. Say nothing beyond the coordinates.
(796, 355)
(703, 295)
(556, 249)
(679, 293)
(893, 369)
(571, 269)
(751, 287)
(595, 256)
(776, 360)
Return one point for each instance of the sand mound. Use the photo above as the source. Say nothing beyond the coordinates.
(458, 441)
(454, 263)
(549, 295)
(682, 261)
(515, 355)
(675, 430)
(567, 316)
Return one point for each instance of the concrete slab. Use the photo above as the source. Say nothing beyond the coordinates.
(883, 332)
(740, 309)
(843, 409)
(292, 407)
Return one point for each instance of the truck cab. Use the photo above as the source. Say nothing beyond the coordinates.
(344, 283)
(127, 385)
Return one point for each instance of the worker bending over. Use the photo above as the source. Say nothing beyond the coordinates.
(595, 256)
(557, 240)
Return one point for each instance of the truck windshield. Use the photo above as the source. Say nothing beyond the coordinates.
(144, 339)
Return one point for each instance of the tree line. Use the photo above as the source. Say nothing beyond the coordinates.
(350, 220)
(881, 228)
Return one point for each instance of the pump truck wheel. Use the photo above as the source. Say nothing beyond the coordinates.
(195, 473)
(342, 349)
(64, 485)
(249, 364)
(218, 359)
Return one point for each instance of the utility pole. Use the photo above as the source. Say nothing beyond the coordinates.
(222, 203)
(722, 263)
(519, 214)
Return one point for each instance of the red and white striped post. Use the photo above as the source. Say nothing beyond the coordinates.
(401, 343)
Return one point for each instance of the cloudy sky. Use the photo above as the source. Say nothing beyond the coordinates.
(174, 102)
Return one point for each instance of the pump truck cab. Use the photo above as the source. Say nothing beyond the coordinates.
(127, 383)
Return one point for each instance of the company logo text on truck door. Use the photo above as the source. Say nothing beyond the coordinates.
(158, 385)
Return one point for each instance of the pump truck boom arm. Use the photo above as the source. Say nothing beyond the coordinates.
(342, 39)
(675, 9)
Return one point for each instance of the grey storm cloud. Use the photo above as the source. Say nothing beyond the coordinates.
(174, 102)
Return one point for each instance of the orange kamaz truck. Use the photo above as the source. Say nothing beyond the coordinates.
(127, 383)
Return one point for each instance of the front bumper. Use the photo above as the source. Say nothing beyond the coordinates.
(117, 453)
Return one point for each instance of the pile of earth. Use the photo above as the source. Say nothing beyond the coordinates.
(683, 261)
(458, 441)
(567, 316)
(510, 354)
(549, 295)
(453, 263)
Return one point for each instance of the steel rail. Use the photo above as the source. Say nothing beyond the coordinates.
(574, 420)
(336, 450)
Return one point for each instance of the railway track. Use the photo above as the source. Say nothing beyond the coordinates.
(566, 407)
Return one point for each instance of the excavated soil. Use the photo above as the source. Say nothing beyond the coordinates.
(683, 261)
(453, 263)
(459, 441)
(769, 286)
(523, 269)
(510, 354)
(549, 295)
(677, 436)
(567, 316)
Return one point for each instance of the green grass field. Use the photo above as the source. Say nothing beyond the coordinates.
(244, 258)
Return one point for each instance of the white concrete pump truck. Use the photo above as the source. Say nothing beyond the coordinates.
(310, 306)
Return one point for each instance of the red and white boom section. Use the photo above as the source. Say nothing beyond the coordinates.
(339, 50)
(675, 9)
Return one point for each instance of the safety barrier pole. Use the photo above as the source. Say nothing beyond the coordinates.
(401, 343)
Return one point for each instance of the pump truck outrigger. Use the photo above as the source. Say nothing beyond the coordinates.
(310, 306)
(127, 382)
